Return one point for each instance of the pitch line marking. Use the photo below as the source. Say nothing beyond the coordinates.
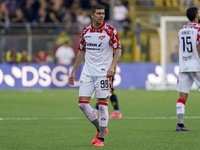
(80, 118)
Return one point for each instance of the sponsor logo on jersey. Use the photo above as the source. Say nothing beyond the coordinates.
(99, 44)
(187, 58)
(93, 49)
(88, 36)
(91, 44)
(101, 37)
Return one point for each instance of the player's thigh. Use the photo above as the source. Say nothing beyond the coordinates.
(185, 82)
(86, 88)
(196, 77)
(103, 87)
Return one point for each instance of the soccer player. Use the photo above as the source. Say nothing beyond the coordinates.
(114, 101)
(189, 62)
(96, 45)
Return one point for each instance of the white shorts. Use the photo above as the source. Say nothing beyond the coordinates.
(186, 80)
(88, 85)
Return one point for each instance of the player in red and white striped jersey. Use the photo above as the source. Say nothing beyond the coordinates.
(97, 43)
(189, 62)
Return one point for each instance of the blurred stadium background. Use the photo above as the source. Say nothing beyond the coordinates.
(46, 24)
(140, 41)
(35, 118)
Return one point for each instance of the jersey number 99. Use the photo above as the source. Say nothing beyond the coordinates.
(104, 83)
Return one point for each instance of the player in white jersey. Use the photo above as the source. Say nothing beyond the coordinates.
(96, 45)
(189, 62)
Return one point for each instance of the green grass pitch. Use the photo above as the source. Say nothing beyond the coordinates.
(52, 120)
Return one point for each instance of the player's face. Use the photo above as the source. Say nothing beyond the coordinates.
(98, 16)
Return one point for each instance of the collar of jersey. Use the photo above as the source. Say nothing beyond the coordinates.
(193, 22)
(101, 27)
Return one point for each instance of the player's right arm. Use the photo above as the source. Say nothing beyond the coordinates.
(79, 59)
(80, 56)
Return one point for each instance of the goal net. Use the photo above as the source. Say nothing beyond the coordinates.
(165, 76)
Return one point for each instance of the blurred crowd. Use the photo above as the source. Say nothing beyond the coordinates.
(50, 11)
(164, 2)
(63, 54)
(55, 12)
(62, 12)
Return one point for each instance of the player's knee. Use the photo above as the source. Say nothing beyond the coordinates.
(183, 96)
(103, 99)
(82, 104)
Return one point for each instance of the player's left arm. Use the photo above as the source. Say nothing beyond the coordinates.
(111, 70)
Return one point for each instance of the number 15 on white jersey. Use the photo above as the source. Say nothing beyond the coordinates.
(188, 55)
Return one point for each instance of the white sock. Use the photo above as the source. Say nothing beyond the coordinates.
(180, 106)
(87, 110)
(180, 110)
(103, 110)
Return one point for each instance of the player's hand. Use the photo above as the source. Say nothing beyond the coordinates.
(71, 78)
(110, 73)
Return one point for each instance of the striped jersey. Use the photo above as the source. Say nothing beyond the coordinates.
(189, 38)
(98, 44)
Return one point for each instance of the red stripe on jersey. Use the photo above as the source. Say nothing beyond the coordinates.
(103, 103)
(110, 27)
(193, 26)
(86, 102)
(82, 40)
(178, 81)
(110, 31)
(84, 31)
(110, 84)
(99, 30)
(114, 38)
(101, 27)
(181, 101)
(92, 30)
(198, 38)
(198, 29)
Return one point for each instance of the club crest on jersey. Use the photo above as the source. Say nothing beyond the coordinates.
(101, 37)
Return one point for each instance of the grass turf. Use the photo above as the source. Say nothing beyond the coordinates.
(47, 124)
